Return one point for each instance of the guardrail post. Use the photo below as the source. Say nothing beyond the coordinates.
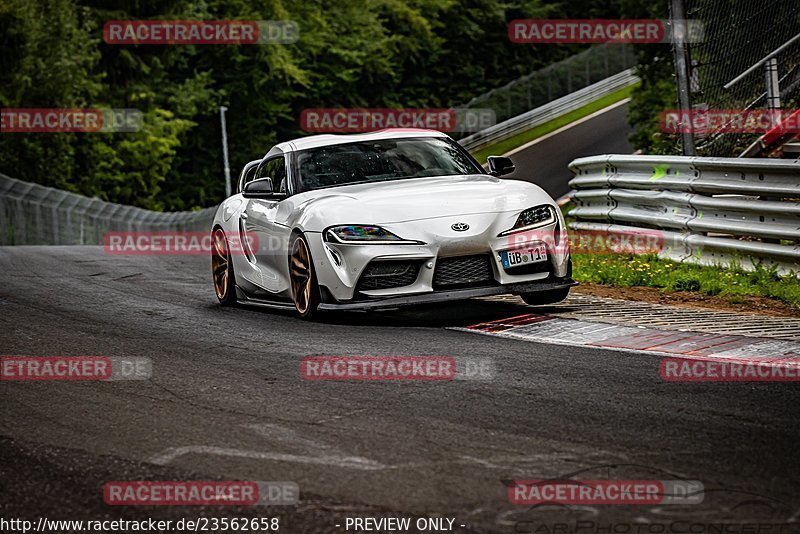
(773, 89)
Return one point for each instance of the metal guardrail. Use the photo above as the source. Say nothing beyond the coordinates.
(549, 111)
(32, 214)
(710, 210)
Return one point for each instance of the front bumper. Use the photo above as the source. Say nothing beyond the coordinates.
(339, 267)
(456, 294)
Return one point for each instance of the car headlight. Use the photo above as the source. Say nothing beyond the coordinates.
(357, 233)
(532, 218)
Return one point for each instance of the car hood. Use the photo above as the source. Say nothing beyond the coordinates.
(414, 199)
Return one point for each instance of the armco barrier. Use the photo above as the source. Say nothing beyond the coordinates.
(549, 111)
(31, 214)
(711, 210)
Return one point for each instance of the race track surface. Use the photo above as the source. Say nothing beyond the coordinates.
(546, 162)
(227, 400)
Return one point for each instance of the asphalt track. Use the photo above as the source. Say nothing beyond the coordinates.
(227, 401)
(545, 162)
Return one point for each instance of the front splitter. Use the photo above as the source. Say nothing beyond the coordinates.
(455, 294)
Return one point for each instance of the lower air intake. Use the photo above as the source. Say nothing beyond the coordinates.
(387, 275)
(463, 271)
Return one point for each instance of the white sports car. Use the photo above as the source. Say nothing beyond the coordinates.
(381, 220)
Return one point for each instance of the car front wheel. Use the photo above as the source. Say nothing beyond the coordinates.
(222, 269)
(305, 291)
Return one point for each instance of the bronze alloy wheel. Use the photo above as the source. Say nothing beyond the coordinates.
(222, 268)
(304, 284)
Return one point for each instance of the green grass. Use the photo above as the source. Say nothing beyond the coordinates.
(520, 139)
(732, 282)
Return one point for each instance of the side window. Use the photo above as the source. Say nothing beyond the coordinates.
(262, 171)
(274, 168)
(279, 177)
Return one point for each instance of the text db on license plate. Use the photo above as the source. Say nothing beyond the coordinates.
(512, 258)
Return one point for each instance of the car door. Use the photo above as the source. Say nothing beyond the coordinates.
(268, 237)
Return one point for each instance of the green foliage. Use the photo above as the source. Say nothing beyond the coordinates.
(351, 53)
(658, 90)
(656, 93)
(129, 168)
(52, 64)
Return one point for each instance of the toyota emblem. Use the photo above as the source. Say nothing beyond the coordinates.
(460, 227)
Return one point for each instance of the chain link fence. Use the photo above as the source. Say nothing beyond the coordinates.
(32, 214)
(554, 81)
(739, 35)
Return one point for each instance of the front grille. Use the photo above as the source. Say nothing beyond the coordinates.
(388, 274)
(463, 271)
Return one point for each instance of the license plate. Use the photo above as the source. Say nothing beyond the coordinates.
(525, 256)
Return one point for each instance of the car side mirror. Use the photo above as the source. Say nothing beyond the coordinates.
(261, 188)
(500, 165)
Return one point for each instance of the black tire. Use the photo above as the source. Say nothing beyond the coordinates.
(305, 290)
(550, 296)
(222, 273)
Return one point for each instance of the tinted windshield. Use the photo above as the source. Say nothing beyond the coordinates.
(375, 161)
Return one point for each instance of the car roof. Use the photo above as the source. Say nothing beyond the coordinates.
(315, 141)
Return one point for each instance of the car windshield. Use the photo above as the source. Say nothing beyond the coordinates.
(381, 160)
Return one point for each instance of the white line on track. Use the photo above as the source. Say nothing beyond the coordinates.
(568, 126)
(351, 462)
(316, 452)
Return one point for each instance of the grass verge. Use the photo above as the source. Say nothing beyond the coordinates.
(543, 129)
(732, 283)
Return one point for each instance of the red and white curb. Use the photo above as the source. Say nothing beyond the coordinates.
(681, 344)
